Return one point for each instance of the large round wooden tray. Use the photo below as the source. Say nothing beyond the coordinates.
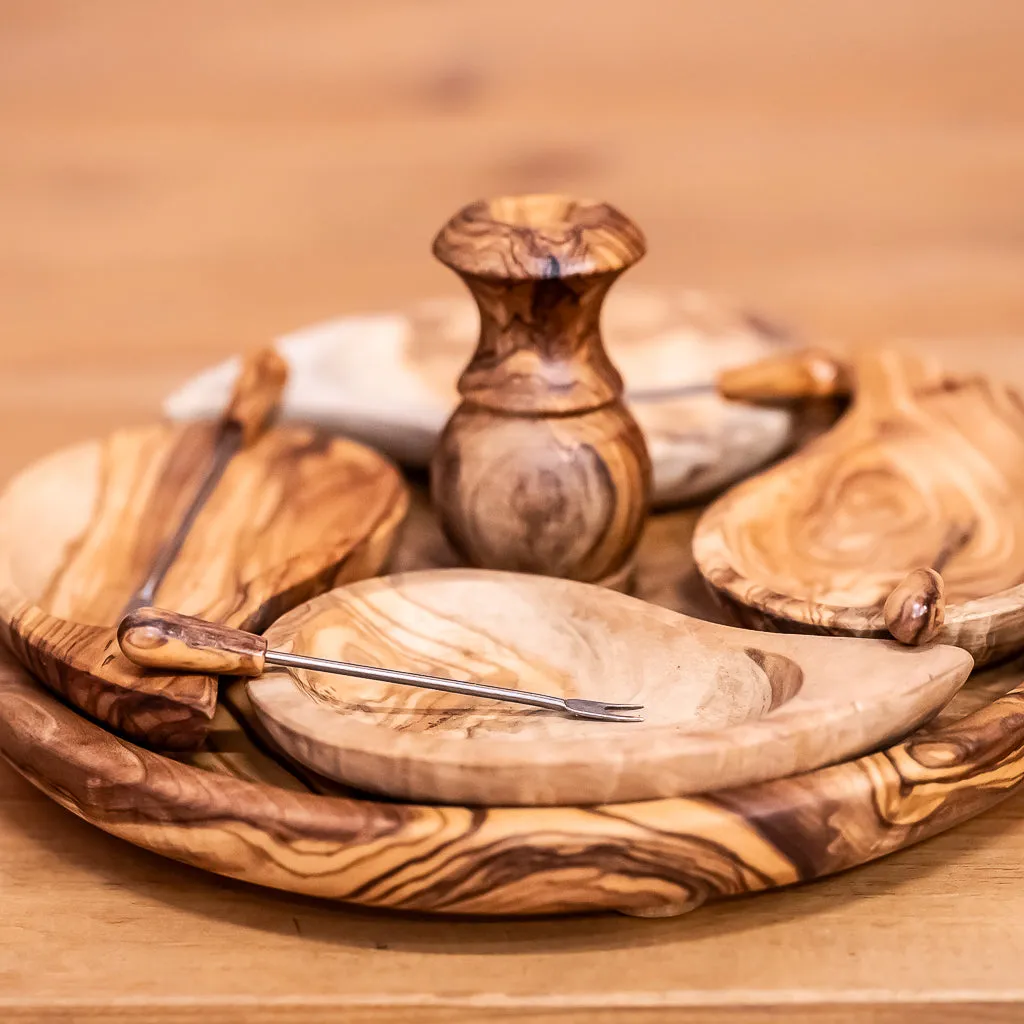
(235, 810)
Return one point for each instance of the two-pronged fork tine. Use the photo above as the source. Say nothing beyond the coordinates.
(601, 711)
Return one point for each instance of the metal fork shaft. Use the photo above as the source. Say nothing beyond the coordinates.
(390, 675)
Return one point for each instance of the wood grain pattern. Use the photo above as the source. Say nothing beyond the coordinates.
(156, 638)
(925, 470)
(541, 468)
(649, 859)
(722, 706)
(389, 379)
(294, 514)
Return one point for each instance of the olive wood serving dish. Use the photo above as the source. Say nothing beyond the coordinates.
(294, 514)
(236, 810)
(389, 381)
(722, 706)
(925, 471)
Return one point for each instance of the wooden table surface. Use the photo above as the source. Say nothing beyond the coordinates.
(181, 180)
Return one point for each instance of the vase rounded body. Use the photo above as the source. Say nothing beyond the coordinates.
(552, 495)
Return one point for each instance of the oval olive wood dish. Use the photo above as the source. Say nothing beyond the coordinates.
(235, 810)
(924, 472)
(722, 706)
(389, 380)
(295, 513)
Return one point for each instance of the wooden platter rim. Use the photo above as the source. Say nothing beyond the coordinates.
(71, 774)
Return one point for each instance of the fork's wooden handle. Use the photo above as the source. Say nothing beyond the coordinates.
(170, 642)
(257, 393)
(787, 379)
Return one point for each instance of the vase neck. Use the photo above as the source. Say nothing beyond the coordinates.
(540, 349)
(539, 267)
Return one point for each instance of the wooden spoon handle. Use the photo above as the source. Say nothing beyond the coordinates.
(787, 379)
(916, 609)
(170, 642)
(257, 394)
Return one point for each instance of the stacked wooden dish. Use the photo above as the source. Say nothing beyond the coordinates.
(237, 807)
(388, 380)
(761, 759)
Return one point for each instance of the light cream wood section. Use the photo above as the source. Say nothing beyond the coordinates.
(388, 379)
(925, 471)
(177, 182)
(722, 707)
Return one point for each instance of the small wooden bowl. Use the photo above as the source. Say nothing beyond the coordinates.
(294, 514)
(723, 706)
(925, 471)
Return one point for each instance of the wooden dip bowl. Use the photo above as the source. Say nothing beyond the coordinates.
(723, 706)
(918, 490)
(294, 514)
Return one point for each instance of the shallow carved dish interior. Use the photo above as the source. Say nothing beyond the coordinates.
(723, 706)
(924, 471)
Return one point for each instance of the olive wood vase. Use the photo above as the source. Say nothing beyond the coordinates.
(541, 468)
(913, 500)
(722, 706)
(294, 514)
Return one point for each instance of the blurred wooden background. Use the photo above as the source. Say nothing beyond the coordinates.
(179, 180)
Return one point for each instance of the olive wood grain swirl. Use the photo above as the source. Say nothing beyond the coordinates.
(541, 468)
(924, 471)
(294, 514)
(721, 706)
(649, 859)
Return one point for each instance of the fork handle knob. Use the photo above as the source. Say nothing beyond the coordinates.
(787, 379)
(916, 609)
(257, 393)
(165, 640)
